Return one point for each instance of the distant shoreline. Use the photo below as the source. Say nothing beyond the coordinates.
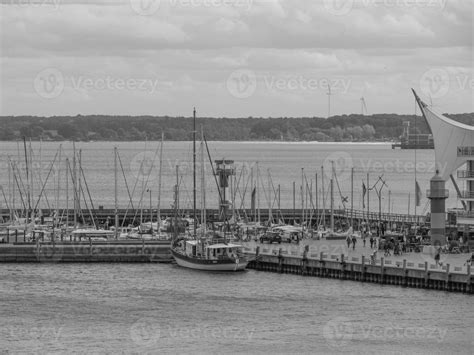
(216, 141)
(387, 128)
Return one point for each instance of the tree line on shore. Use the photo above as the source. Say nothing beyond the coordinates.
(349, 128)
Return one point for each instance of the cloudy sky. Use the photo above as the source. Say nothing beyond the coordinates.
(234, 58)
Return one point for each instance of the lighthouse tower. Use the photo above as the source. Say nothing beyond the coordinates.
(438, 195)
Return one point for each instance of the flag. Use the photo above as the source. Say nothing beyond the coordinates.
(254, 192)
(417, 194)
(364, 191)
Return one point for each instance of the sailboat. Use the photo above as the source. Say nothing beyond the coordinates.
(204, 253)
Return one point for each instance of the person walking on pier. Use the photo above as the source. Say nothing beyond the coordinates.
(470, 261)
(437, 257)
(348, 241)
(364, 237)
(371, 240)
(354, 240)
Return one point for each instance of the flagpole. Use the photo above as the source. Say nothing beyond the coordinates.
(368, 202)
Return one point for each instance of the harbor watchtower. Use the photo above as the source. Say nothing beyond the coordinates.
(224, 170)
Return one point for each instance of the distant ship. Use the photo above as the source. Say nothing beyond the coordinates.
(414, 140)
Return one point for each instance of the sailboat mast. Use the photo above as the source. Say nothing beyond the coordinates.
(116, 193)
(302, 201)
(323, 197)
(194, 171)
(27, 182)
(67, 194)
(159, 182)
(332, 197)
(203, 188)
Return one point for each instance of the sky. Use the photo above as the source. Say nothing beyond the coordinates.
(235, 58)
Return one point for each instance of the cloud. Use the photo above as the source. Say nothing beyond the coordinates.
(192, 46)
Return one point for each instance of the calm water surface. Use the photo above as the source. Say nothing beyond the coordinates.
(282, 161)
(157, 308)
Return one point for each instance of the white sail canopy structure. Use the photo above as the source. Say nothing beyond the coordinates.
(453, 141)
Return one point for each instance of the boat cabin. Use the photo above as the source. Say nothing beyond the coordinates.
(213, 251)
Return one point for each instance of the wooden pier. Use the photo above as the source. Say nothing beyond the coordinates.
(341, 216)
(401, 273)
(87, 252)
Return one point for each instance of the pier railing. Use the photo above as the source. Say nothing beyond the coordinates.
(465, 151)
(467, 194)
(297, 252)
(103, 215)
(442, 193)
(465, 174)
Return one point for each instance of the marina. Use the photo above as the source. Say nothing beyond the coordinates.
(217, 239)
(237, 177)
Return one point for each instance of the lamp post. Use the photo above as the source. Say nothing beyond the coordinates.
(378, 191)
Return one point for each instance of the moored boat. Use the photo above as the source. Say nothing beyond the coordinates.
(199, 255)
